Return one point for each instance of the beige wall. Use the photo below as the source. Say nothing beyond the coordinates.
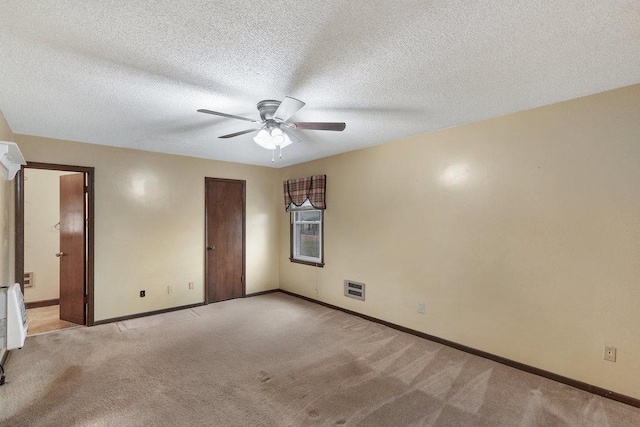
(41, 237)
(6, 222)
(6, 215)
(521, 234)
(149, 223)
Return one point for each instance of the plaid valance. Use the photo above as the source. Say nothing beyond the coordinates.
(300, 190)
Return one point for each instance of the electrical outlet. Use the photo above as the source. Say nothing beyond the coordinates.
(421, 307)
(610, 353)
(190, 285)
(169, 289)
(142, 294)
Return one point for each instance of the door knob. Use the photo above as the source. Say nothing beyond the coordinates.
(210, 248)
(60, 254)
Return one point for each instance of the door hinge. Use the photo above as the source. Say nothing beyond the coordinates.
(86, 189)
(241, 279)
(86, 299)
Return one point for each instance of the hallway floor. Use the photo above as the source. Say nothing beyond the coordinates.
(46, 319)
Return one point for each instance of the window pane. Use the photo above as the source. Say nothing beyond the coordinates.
(310, 240)
(309, 215)
(306, 236)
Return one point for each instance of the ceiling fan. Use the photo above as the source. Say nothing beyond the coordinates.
(275, 129)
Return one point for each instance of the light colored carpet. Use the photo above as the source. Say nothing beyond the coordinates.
(276, 360)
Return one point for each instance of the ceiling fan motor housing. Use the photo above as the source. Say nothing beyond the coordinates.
(267, 108)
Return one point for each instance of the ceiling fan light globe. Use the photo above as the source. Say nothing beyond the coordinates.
(277, 137)
(263, 139)
(286, 141)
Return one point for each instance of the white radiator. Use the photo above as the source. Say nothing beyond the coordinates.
(13, 317)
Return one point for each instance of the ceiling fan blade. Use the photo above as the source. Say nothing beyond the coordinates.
(288, 107)
(242, 132)
(291, 134)
(215, 113)
(320, 126)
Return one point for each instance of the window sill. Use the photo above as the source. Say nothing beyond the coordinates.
(299, 261)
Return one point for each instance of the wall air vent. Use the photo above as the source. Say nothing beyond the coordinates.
(354, 290)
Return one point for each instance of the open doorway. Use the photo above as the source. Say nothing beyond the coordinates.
(54, 245)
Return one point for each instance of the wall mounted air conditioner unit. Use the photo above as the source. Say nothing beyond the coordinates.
(11, 160)
(13, 317)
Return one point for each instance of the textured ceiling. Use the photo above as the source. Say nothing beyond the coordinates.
(133, 73)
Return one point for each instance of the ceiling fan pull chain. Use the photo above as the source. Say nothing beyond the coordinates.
(273, 155)
(280, 151)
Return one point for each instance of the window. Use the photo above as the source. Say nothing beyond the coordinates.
(306, 237)
(304, 198)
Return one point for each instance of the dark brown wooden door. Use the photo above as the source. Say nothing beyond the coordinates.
(72, 248)
(225, 229)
